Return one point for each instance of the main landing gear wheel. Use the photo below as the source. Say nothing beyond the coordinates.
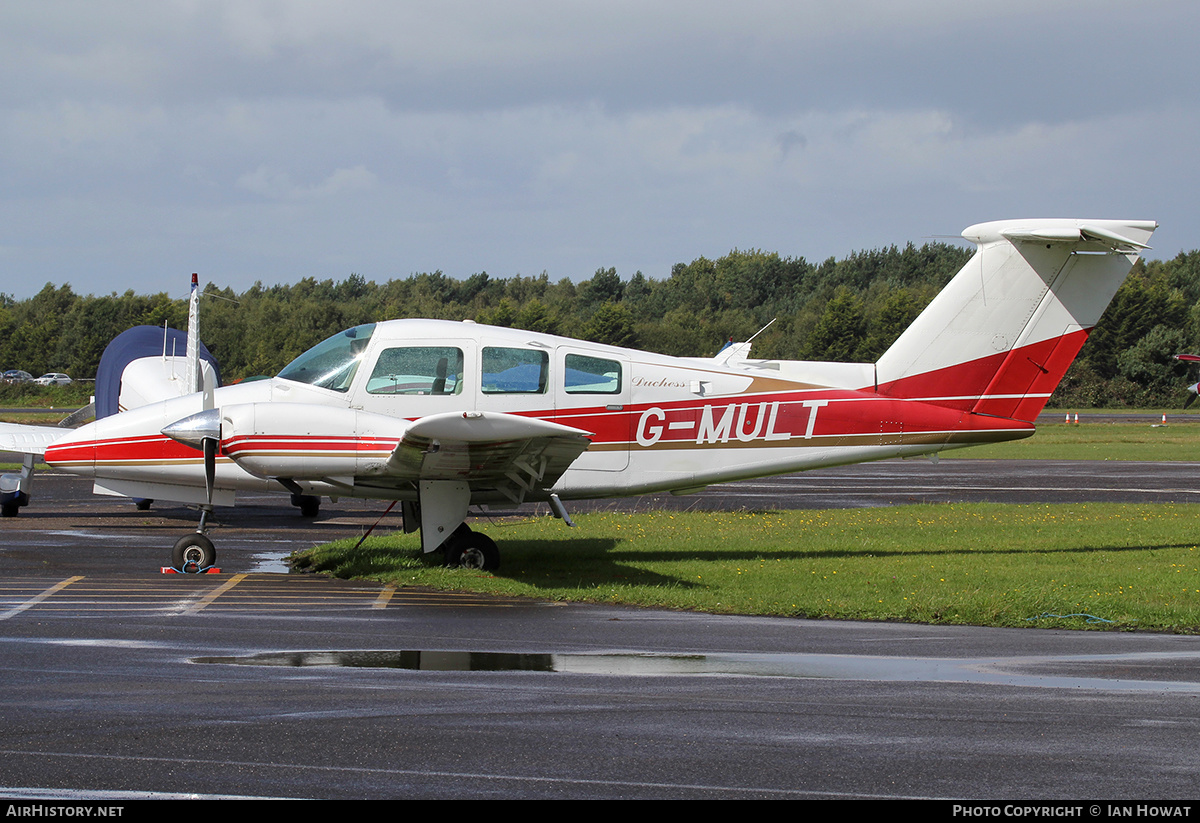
(10, 504)
(468, 549)
(193, 553)
(309, 504)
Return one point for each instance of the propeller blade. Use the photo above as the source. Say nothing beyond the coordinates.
(210, 466)
(200, 431)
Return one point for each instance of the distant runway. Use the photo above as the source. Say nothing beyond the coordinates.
(121, 682)
(903, 482)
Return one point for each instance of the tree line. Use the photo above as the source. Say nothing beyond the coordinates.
(848, 310)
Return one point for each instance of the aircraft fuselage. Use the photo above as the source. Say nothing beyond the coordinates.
(656, 423)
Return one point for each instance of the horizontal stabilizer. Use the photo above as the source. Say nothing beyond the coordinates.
(1077, 234)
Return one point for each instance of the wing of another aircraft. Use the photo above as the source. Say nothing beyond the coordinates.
(1194, 389)
(17, 437)
(29, 441)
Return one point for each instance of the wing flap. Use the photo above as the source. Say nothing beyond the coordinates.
(508, 452)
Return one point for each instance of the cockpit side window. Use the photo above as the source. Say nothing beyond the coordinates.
(591, 375)
(418, 370)
(332, 363)
(514, 371)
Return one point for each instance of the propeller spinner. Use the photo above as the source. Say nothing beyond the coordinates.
(201, 431)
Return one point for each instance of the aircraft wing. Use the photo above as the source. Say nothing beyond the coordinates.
(16, 437)
(508, 452)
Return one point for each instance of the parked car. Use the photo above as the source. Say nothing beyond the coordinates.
(53, 378)
(16, 376)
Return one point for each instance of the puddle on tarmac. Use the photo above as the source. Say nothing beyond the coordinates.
(443, 661)
(1075, 672)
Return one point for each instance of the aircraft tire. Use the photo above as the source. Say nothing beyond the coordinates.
(12, 503)
(193, 552)
(472, 550)
(309, 504)
(143, 504)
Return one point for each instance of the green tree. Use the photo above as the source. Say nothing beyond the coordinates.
(612, 324)
(841, 330)
(535, 316)
(897, 313)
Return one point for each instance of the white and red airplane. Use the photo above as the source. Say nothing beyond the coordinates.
(1194, 389)
(441, 415)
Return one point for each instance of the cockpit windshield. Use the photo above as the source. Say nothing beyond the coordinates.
(333, 363)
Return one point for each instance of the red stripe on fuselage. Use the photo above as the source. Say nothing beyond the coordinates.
(1013, 384)
(333, 444)
(148, 448)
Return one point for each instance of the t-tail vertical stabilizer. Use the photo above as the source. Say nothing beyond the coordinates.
(1001, 335)
(147, 364)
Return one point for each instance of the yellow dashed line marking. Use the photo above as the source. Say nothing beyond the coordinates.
(384, 596)
(38, 598)
(211, 597)
(241, 593)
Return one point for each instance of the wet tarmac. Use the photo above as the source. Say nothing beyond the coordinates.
(122, 682)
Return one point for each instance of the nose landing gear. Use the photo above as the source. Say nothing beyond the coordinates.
(194, 553)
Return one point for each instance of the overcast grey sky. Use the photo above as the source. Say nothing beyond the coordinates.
(267, 140)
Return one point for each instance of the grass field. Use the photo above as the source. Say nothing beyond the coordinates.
(1097, 439)
(1124, 567)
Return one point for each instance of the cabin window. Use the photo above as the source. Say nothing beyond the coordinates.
(418, 370)
(332, 363)
(592, 375)
(514, 371)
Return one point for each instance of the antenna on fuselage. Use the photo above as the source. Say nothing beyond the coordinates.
(739, 350)
(763, 329)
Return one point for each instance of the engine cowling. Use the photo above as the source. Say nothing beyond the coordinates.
(295, 440)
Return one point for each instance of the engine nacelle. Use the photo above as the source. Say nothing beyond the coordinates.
(304, 441)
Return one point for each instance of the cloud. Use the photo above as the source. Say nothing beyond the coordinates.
(287, 139)
(278, 185)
